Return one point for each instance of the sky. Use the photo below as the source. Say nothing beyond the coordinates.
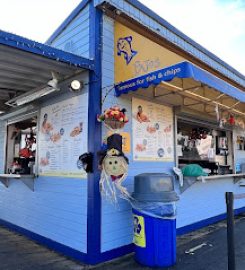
(217, 25)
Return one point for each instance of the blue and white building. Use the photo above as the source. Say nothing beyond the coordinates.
(53, 200)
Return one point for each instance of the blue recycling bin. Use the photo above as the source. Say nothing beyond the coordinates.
(154, 239)
(154, 215)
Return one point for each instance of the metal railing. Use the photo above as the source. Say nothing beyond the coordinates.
(230, 197)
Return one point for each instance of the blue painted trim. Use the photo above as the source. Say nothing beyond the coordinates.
(206, 222)
(67, 21)
(27, 45)
(166, 24)
(94, 135)
(65, 250)
(112, 254)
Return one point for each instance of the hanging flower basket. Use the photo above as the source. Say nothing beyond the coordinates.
(114, 124)
(114, 118)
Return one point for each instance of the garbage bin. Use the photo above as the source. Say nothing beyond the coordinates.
(154, 216)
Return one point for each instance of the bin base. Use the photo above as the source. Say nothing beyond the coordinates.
(160, 241)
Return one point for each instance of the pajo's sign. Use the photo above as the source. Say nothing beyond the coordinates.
(136, 55)
(145, 81)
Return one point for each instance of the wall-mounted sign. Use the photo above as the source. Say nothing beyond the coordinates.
(153, 136)
(63, 137)
(136, 55)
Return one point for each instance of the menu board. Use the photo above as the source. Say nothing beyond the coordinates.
(153, 137)
(63, 137)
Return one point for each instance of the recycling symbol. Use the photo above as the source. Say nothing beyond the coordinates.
(137, 226)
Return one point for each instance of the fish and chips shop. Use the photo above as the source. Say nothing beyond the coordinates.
(116, 93)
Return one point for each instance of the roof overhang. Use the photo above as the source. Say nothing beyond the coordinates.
(139, 17)
(184, 84)
(26, 66)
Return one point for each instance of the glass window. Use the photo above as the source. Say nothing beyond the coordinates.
(21, 146)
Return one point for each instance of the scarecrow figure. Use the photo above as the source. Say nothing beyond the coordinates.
(114, 169)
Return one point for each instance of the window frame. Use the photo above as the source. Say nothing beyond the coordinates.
(14, 120)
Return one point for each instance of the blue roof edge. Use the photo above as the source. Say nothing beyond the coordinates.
(162, 21)
(156, 17)
(44, 50)
(67, 21)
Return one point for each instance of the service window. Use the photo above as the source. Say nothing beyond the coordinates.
(21, 146)
(240, 143)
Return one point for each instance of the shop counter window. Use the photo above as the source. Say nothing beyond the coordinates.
(206, 146)
(240, 143)
(21, 147)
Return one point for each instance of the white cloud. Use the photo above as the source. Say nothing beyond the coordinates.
(34, 19)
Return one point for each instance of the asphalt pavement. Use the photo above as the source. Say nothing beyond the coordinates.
(205, 249)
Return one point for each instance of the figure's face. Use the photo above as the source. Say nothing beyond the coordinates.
(140, 109)
(115, 165)
(124, 46)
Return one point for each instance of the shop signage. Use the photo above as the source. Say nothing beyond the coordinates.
(136, 55)
(166, 74)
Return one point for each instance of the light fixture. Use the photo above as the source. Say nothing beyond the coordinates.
(76, 85)
(118, 12)
(51, 87)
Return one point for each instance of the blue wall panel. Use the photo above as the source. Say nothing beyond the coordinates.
(57, 209)
(75, 37)
(205, 200)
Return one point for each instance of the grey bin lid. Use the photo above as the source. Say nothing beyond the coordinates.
(170, 196)
(154, 187)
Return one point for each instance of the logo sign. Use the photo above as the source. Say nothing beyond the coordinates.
(139, 231)
(136, 55)
(124, 47)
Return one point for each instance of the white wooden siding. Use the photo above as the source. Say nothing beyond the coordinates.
(75, 37)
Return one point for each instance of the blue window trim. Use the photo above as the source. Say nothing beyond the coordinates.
(94, 135)
(27, 45)
(67, 21)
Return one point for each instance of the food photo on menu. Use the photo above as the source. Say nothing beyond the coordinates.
(46, 126)
(141, 116)
(77, 130)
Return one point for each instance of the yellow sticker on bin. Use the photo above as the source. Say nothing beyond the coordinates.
(139, 231)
